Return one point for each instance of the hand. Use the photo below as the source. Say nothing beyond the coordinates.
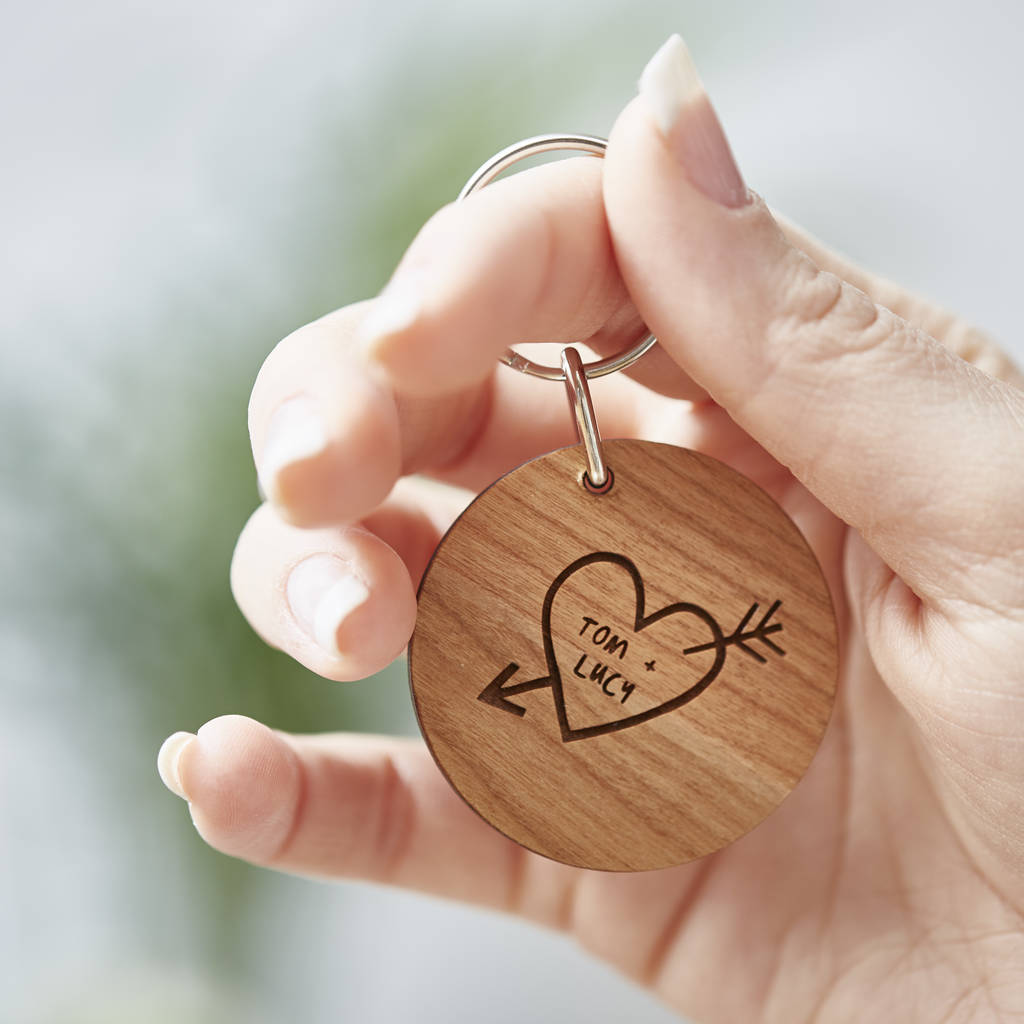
(890, 885)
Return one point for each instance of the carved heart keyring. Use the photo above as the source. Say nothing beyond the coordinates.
(625, 652)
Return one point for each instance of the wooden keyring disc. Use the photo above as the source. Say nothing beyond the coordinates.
(591, 673)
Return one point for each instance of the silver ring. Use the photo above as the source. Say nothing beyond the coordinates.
(586, 422)
(595, 146)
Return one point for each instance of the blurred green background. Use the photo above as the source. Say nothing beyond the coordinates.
(185, 184)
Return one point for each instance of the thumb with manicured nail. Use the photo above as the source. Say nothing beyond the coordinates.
(897, 436)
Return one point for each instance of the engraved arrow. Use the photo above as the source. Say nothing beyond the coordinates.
(741, 636)
(496, 691)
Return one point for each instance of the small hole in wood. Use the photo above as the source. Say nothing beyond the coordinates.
(604, 488)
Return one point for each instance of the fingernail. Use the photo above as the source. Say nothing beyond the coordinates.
(393, 311)
(169, 758)
(322, 592)
(675, 95)
(295, 432)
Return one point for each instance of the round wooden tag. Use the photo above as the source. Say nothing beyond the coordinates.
(628, 680)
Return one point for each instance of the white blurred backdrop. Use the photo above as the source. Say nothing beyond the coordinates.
(184, 184)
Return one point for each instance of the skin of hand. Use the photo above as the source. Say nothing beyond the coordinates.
(890, 885)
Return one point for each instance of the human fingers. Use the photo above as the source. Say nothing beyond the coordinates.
(349, 806)
(960, 336)
(330, 438)
(526, 259)
(529, 258)
(917, 449)
(378, 809)
(341, 600)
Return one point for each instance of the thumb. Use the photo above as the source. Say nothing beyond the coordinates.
(917, 449)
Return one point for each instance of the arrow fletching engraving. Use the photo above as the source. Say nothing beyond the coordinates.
(742, 637)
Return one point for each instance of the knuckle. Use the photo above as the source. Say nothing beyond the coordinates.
(965, 340)
(395, 823)
(444, 224)
(975, 346)
(818, 316)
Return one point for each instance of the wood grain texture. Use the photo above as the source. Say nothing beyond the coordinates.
(591, 673)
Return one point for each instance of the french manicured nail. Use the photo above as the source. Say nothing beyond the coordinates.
(295, 432)
(169, 758)
(393, 311)
(675, 94)
(322, 592)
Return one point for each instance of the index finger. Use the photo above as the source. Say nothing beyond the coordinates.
(530, 258)
(527, 259)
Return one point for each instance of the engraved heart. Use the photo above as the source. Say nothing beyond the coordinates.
(612, 665)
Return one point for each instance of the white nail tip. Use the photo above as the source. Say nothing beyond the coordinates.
(169, 758)
(335, 606)
(669, 82)
(295, 432)
(322, 592)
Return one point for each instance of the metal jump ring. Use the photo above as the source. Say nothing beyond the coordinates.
(484, 176)
(597, 477)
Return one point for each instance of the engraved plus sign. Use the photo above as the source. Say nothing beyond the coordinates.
(649, 665)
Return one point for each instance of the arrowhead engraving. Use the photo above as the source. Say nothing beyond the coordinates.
(496, 692)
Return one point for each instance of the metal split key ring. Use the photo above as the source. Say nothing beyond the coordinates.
(573, 370)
